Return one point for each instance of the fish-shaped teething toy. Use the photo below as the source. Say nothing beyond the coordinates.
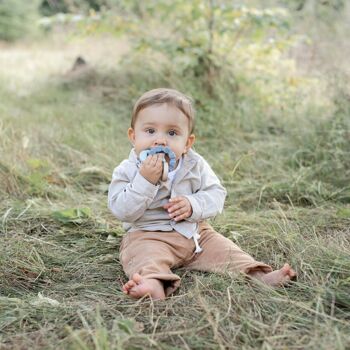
(161, 149)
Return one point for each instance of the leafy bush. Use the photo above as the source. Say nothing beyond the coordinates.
(49, 8)
(16, 18)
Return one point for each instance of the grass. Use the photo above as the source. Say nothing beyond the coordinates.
(61, 135)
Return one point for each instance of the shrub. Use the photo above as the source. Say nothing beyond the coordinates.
(16, 18)
(49, 8)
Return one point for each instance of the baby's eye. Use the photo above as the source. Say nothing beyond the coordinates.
(172, 133)
(150, 131)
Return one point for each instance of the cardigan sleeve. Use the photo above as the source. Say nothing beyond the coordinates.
(129, 196)
(209, 200)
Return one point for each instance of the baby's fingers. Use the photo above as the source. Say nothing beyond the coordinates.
(183, 216)
(176, 199)
(179, 205)
(153, 159)
(173, 202)
(168, 205)
(178, 212)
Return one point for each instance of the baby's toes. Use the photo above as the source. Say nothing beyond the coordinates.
(292, 274)
(288, 270)
(130, 284)
(136, 278)
(288, 273)
(134, 292)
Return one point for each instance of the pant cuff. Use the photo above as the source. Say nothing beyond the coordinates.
(258, 266)
(171, 281)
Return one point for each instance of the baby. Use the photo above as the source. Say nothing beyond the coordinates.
(165, 218)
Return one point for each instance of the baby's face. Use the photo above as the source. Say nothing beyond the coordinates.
(161, 125)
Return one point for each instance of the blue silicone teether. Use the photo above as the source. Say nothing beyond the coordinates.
(160, 149)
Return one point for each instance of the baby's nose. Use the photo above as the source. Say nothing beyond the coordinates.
(160, 142)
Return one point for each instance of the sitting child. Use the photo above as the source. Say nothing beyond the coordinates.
(166, 220)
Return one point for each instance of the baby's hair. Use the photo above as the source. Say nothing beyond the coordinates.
(168, 96)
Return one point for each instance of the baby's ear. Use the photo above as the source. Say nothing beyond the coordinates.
(131, 135)
(190, 142)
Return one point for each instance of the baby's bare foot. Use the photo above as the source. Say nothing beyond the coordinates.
(138, 287)
(277, 277)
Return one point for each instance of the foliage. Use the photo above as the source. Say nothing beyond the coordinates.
(200, 50)
(227, 50)
(52, 7)
(16, 18)
(320, 7)
(72, 216)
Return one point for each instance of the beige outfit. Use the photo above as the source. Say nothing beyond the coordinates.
(155, 244)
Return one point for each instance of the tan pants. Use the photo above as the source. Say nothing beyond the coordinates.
(154, 254)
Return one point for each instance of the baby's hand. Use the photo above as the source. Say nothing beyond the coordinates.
(151, 169)
(179, 208)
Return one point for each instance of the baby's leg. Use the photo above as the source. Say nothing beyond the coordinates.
(147, 258)
(221, 255)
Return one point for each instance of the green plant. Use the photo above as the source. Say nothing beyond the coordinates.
(16, 19)
(49, 7)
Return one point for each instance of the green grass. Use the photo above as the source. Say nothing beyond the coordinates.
(286, 172)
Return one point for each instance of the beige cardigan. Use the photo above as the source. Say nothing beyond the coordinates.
(139, 204)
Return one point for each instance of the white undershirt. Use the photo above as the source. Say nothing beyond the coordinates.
(171, 174)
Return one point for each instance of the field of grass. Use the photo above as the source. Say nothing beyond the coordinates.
(286, 170)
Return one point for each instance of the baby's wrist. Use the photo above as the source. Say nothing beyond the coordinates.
(149, 178)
